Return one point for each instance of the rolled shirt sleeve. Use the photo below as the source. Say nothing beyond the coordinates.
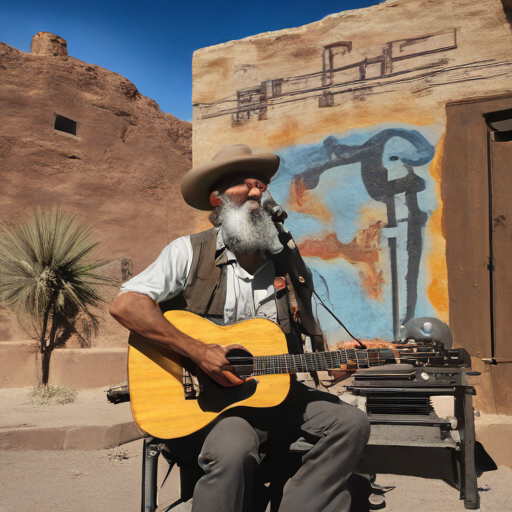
(167, 276)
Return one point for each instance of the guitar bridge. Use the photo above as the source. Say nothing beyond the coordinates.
(190, 385)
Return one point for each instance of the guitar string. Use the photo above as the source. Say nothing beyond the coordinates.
(294, 363)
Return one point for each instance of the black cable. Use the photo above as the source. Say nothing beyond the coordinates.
(278, 216)
(361, 344)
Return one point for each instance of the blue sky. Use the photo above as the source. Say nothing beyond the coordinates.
(151, 43)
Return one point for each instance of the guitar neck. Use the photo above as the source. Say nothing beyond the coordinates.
(320, 361)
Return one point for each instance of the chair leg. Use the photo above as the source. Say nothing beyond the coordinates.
(150, 455)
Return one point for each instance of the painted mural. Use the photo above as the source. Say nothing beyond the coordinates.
(347, 69)
(358, 204)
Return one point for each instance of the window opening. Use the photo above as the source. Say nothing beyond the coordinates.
(63, 124)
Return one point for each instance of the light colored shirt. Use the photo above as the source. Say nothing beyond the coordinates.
(247, 296)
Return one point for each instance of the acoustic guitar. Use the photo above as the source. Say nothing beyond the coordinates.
(171, 397)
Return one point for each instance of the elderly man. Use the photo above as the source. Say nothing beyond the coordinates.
(227, 274)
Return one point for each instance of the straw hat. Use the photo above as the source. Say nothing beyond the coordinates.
(198, 184)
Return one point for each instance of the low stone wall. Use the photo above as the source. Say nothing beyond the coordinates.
(74, 368)
(88, 368)
(494, 431)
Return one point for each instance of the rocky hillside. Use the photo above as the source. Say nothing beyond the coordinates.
(80, 136)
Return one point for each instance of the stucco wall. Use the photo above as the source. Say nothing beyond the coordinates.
(355, 105)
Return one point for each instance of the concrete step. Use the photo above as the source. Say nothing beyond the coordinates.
(91, 423)
(94, 423)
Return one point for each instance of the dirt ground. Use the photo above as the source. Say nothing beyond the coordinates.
(110, 480)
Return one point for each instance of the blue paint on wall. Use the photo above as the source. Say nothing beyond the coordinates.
(382, 173)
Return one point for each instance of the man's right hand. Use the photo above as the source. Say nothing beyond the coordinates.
(142, 315)
(212, 360)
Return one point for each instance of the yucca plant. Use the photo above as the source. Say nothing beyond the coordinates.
(49, 279)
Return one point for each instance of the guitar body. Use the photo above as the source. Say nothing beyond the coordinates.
(155, 376)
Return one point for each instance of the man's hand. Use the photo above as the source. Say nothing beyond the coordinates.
(212, 360)
(142, 315)
(339, 375)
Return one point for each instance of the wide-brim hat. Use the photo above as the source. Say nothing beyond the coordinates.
(198, 183)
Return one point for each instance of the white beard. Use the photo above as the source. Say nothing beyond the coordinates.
(246, 229)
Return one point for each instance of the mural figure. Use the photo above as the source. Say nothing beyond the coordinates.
(379, 188)
(367, 167)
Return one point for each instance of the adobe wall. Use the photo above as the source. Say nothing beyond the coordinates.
(355, 106)
(18, 364)
(74, 368)
(120, 172)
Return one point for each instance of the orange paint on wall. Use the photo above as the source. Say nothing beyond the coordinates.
(329, 121)
(287, 133)
(363, 250)
(370, 213)
(437, 290)
(302, 201)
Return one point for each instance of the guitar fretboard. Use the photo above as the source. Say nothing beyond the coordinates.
(319, 361)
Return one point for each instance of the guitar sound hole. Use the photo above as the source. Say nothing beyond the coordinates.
(215, 398)
(242, 363)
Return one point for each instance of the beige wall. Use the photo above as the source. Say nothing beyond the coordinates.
(18, 364)
(73, 368)
(355, 106)
(437, 51)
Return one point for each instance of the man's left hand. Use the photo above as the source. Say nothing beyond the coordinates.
(340, 375)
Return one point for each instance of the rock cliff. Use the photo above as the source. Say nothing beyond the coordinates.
(80, 136)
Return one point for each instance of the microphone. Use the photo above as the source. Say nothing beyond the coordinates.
(278, 216)
(276, 212)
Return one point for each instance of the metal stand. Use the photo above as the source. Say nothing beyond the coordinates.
(466, 455)
(150, 455)
(409, 438)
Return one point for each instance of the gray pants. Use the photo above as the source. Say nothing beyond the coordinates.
(230, 453)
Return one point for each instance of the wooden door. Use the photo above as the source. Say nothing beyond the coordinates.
(476, 185)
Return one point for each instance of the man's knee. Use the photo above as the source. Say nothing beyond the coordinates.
(338, 420)
(231, 442)
(349, 420)
(355, 422)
